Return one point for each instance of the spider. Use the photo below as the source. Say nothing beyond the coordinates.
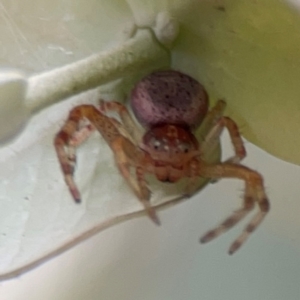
(170, 106)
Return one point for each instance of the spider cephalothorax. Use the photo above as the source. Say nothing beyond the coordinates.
(170, 105)
(171, 148)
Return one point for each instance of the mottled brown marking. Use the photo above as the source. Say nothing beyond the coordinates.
(230, 222)
(234, 247)
(172, 132)
(248, 203)
(250, 228)
(67, 168)
(265, 205)
(208, 236)
(64, 136)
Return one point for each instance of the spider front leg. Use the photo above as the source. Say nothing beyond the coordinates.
(127, 155)
(215, 125)
(71, 136)
(128, 123)
(81, 135)
(125, 151)
(254, 193)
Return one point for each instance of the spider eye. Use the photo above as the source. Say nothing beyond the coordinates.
(155, 143)
(184, 147)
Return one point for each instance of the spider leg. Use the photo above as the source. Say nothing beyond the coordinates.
(69, 137)
(254, 193)
(236, 139)
(193, 175)
(81, 135)
(146, 195)
(217, 123)
(127, 121)
(126, 153)
(214, 114)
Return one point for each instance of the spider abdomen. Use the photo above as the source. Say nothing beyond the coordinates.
(169, 97)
